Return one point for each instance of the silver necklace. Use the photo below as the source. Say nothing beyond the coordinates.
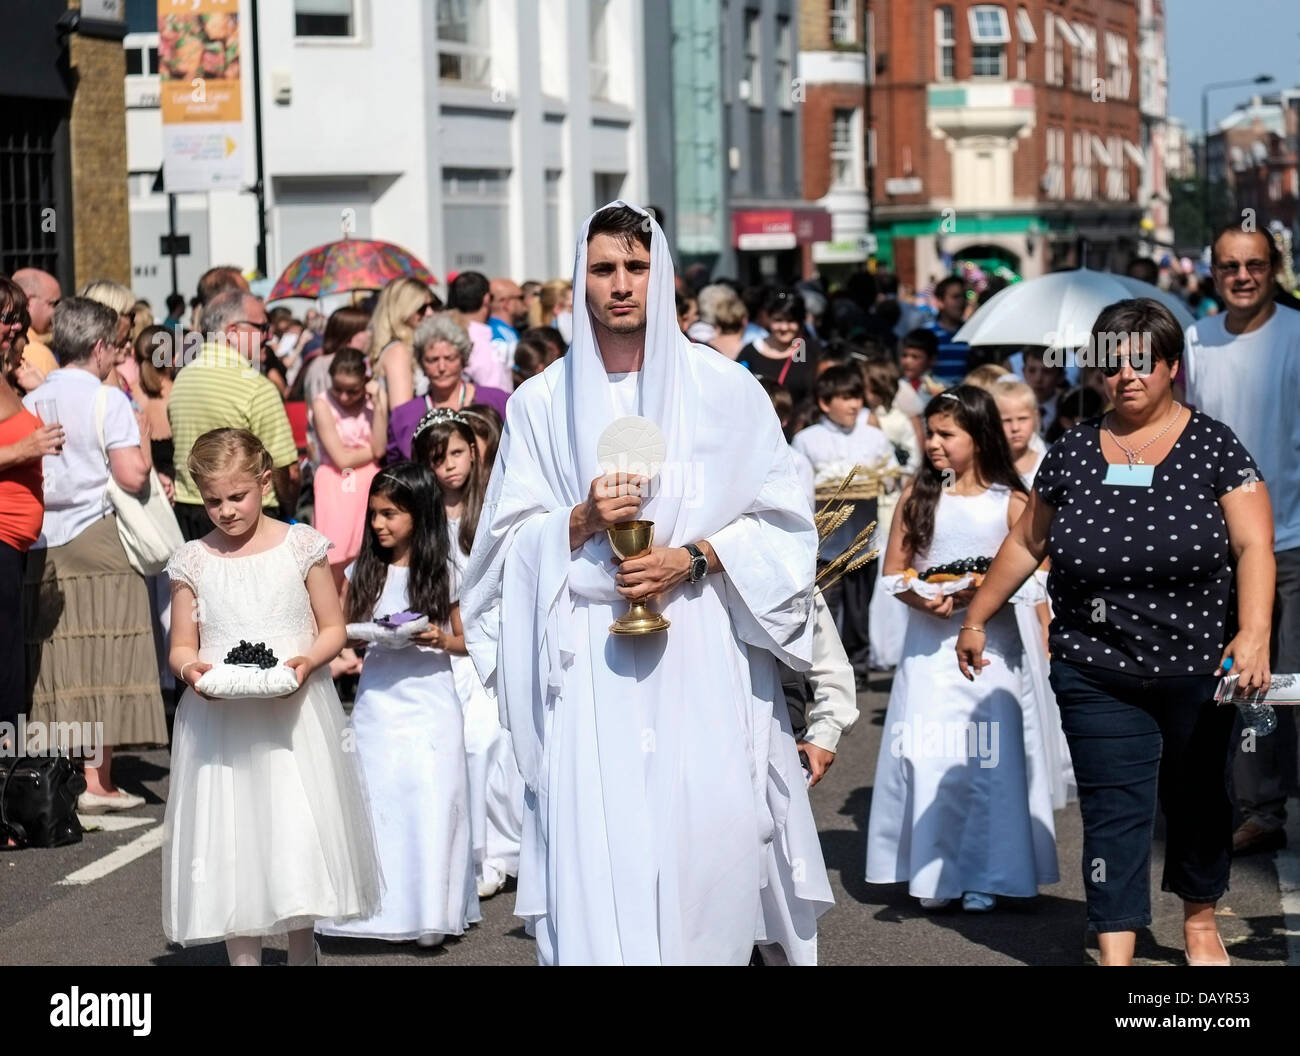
(1135, 456)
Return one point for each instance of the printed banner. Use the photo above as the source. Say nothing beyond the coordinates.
(198, 71)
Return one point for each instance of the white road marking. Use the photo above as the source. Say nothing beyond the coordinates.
(114, 860)
(1288, 881)
(112, 822)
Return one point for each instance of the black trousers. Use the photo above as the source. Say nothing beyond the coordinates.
(195, 523)
(1134, 741)
(13, 650)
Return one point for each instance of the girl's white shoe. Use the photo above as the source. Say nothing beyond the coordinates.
(935, 903)
(430, 939)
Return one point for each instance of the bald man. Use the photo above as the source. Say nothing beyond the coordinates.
(43, 293)
(506, 317)
(508, 303)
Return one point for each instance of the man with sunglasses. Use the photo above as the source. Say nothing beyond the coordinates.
(1243, 368)
(224, 387)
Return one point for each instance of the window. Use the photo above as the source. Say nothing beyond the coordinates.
(608, 186)
(1082, 157)
(1118, 176)
(988, 25)
(1119, 78)
(463, 53)
(1053, 51)
(1054, 178)
(476, 220)
(599, 40)
(141, 59)
(945, 44)
(754, 57)
(784, 62)
(1085, 68)
(844, 21)
(988, 60)
(1025, 31)
(989, 34)
(846, 151)
(324, 18)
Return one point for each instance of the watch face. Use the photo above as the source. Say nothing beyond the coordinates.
(699, 567)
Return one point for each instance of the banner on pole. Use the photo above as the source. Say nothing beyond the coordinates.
(198, 70)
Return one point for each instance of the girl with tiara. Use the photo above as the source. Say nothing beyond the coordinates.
(961, 806)
(445, 441)
(407, 721)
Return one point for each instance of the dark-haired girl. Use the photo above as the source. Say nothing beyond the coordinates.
(445, 441)
(961, 806)
(407, 722)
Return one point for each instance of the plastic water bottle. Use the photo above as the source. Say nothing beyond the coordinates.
(1257, 716)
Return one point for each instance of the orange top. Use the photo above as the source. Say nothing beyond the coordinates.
(22, 497)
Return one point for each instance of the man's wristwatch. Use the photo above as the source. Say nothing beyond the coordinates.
(699, 563)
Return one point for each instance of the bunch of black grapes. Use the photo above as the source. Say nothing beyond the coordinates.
(245, 653)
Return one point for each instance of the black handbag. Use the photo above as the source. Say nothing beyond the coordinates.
(38, 800)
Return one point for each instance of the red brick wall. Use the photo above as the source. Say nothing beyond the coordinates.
(905, 34)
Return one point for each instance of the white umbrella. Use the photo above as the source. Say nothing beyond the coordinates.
(1058, 310)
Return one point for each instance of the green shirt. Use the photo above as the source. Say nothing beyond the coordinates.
(217, 391)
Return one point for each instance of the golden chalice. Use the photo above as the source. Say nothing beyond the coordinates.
(630, 539)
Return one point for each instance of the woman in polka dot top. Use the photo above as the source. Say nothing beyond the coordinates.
(1159, 529)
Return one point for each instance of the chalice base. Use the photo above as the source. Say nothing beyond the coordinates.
(639, 619)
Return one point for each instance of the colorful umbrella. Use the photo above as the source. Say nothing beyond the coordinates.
(352, 264)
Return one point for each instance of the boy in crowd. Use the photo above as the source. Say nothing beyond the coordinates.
(843, 439)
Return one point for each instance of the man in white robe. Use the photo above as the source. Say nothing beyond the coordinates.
(666, 815)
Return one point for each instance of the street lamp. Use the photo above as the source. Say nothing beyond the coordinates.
(1263, 78)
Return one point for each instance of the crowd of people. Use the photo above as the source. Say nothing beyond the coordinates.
(328, 473)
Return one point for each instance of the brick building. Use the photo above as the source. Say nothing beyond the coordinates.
(1254, 151)
(63, 194)
(834, 78)
(1006, 134)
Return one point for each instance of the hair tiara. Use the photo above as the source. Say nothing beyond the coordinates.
(436, 417)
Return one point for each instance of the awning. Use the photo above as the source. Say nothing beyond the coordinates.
(755, 229)
(1067, 31)
(1134, 154)
(1100, 151)
(1025, 26)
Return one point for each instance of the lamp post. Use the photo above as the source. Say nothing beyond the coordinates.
(1263, 78)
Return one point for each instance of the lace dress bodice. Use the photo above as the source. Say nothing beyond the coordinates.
(258, 598)
(966, 526)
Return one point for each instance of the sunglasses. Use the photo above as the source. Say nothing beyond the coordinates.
(262, 328)
(1231, 267)
(10, 318)
(1143, 366)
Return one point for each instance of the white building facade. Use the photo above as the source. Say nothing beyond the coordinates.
(477, 134)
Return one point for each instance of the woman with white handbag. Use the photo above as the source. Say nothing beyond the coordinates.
(90, 645)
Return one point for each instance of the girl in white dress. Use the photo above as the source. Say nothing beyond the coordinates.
(1018, 407)
(961, 804)
(267, 828)
(407, 721)
(445, 441)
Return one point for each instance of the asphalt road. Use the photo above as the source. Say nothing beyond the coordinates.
(114, 918)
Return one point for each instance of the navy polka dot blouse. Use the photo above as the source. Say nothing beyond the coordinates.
(1141, 578)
